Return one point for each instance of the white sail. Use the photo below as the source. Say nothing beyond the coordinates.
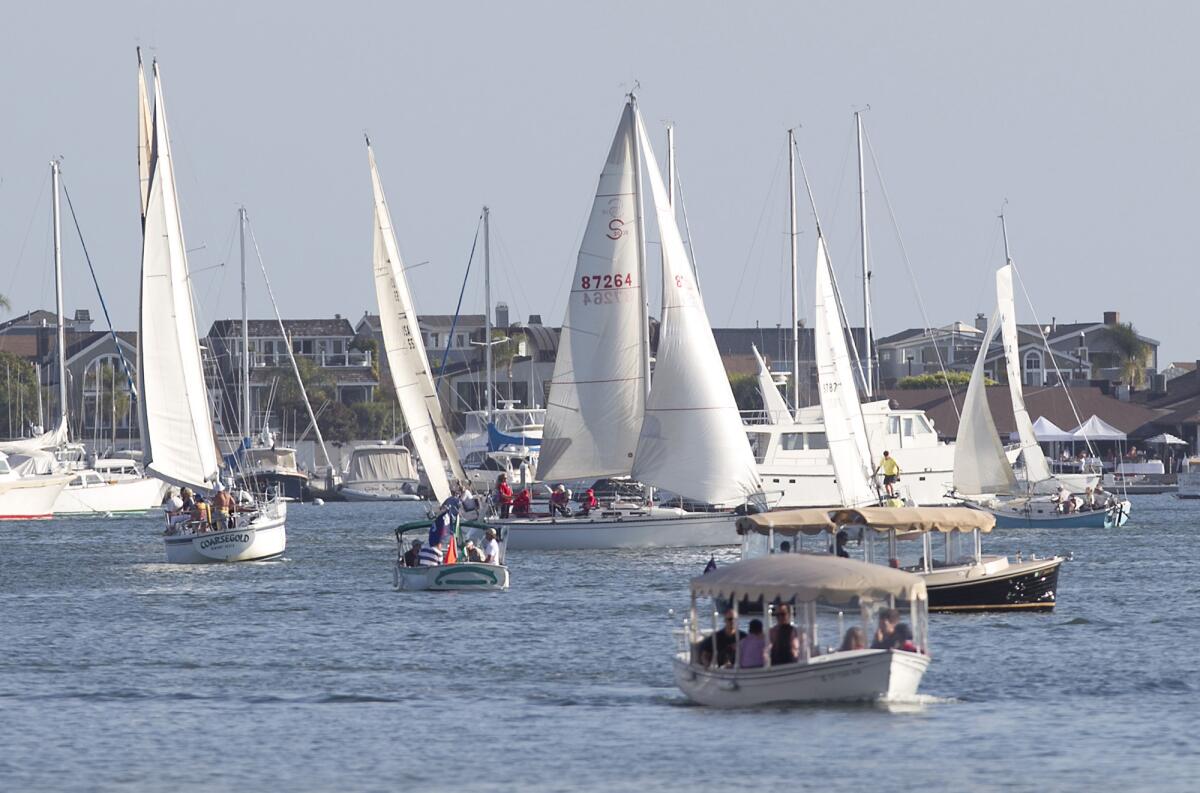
(145, 136)
(844, 426)
(1037, 470)
(692, 441)
(773, 404)
(597, 395)
(405, 351)
(980, 465)
(43, 442)
(177, 430)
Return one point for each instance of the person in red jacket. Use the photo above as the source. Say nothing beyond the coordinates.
(589, 502)
(505, 493)
(522, 503)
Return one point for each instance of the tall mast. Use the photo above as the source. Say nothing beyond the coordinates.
(1004, 232)
(245, 422)
(795, 270)
(640, 222)
(487, 310)
(866, 268)
(671, 164)
(58, 296)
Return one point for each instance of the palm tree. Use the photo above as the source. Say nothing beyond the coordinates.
(1130, 351)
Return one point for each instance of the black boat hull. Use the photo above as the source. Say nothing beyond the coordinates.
(290, 487)
(1023, 589)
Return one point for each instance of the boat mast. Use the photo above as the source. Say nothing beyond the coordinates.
(866, 269)
(671, 165)
(795, 270)
(245, 422)
(58, 296)
(487, 311)
(640, 223)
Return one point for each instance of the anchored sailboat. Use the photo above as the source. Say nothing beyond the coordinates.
(179, 442)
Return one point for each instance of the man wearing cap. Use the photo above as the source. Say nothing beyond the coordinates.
(223, 506)
(491, 548)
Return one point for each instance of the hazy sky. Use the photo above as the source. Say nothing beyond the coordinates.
(1081, 115)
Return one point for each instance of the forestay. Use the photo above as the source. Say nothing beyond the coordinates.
(980, 465)
(1036, 468)
(692, 441)
(597, 394)
(177, 430)
(773, 404)
(406, 352)
(844, 425)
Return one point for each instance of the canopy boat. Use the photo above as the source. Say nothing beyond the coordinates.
(961, 580)
(823, 590)
(462, 574)
(382, 472)
(983, 474)
(178, 438)
(430, 436)
(683, 433)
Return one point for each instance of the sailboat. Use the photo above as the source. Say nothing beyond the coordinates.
(795, 453)
(983, 474)
(178, 438)
(417, 395)
(604, 417)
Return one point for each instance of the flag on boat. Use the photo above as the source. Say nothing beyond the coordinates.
(712, 564)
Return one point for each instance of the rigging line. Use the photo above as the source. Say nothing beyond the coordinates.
(461, 292)
(687, 228)
(912, 278)
(837, 294)
(754, 240)
(28, 230)
(103, 305)
(1053, 357)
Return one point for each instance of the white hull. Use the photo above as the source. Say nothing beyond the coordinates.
(859, 675)
(111, 498)
(1189, 485)
(686, 530)
(30, 498)
(264, 538)
(797, 489)
(451, 577)
(399, 490)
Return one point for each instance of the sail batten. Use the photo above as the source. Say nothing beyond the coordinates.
(597, 392)
(179, 443)
(405, 352)
(692, 440)
(845, 429)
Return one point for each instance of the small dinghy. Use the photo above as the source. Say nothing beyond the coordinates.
(416, 569)
(728, 668)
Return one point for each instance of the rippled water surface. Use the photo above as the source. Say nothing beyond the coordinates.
(120, 672)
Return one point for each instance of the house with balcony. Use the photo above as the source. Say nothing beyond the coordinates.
(327, 344)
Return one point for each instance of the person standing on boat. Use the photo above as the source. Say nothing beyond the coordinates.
(224, 506)
(841, 539)
(505, 494)
(891, 473)
(785, 638)
(491, 548)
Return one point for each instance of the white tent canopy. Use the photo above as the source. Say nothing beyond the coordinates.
(1046, 431)
(1167, 439)
(1097, 429)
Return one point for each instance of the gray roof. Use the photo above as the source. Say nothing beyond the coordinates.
(337, 327)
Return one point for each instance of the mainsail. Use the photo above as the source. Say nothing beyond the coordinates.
(844, 426)
(177, 430)
(405, 351)
(773, 404)
(597, 394)
(692, 441)
(1037, 470)
(980, 465)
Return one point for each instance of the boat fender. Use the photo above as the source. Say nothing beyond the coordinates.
(728, 685)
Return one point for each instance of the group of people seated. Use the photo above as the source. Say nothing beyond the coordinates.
(420, 554)
(1093, 498)
(194, 513)
(520, 504)
(786, 643)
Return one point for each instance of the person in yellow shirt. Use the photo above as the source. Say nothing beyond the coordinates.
(891, 473)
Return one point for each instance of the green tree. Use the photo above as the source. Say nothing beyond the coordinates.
(1132, 353)
(18, 394)
(745, 392)
(374, 420)
(504, 352)
(939, 380)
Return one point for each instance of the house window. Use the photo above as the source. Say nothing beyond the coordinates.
(1033, 369)
(433, 340)
(458, 341)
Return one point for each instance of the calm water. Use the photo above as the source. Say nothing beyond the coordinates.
(119, 672)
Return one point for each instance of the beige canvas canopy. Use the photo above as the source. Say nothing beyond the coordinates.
(809, 578)
(904, 520)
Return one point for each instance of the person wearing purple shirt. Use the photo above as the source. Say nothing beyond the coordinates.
(752, 649)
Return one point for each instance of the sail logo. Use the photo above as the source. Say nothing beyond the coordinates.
(616, 226)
